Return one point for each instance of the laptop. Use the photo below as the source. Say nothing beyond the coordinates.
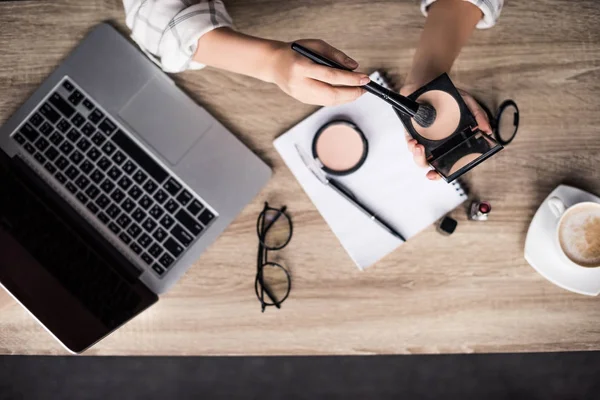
(113, 182)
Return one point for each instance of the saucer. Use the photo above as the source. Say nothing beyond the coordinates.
(542, 252)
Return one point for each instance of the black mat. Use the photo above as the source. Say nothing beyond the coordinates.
(510, 376)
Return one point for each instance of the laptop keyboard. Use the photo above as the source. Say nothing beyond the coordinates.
(141, 203)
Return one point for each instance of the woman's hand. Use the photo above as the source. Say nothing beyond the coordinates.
(312, 83)
(418, 151)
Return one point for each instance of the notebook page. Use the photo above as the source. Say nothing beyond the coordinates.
(389, 182)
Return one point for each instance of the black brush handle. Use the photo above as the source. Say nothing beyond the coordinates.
(398, 101)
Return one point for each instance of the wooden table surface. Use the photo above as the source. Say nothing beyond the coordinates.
(470, 292)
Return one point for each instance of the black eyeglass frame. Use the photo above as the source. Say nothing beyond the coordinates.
(262, 259)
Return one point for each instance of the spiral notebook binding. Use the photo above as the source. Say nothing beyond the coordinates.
(383, 79)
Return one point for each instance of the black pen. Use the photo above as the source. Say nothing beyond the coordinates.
(345, 193)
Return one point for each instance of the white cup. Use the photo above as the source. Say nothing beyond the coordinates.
(561, 212)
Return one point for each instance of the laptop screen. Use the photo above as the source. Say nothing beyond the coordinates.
(51, 261)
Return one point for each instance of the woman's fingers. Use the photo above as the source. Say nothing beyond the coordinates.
(480, 115)
(334, 76)
(419, 155)
(324, 94)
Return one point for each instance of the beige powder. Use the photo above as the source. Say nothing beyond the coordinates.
(340, 147)
(447, 115)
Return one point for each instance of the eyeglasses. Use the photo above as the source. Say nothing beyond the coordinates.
(273, 281)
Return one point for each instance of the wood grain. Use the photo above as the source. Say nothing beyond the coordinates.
(470, 292)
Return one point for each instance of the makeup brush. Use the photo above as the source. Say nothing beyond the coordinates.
(423, 114)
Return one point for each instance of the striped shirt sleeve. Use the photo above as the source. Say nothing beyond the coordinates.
(168, 30)
(490, 8)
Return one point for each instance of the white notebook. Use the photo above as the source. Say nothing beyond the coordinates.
(389, 182)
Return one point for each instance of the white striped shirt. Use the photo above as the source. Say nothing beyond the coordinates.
(168, 30)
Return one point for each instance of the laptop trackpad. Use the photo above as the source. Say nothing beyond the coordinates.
(168, 120)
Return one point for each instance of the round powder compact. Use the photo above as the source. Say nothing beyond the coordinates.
(447, 115)
(340, 147)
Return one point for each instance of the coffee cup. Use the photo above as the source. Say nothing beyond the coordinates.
(577, 232)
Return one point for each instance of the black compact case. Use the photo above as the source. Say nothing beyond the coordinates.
(466, 145)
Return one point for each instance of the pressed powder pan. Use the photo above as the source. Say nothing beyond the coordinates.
(340, 147)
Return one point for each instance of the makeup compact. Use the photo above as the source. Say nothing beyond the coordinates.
(340, 147)
(453, 143)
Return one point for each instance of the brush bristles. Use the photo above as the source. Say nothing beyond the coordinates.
(425, 115)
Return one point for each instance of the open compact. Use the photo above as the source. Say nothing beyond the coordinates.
(340, 147)
(453, 143)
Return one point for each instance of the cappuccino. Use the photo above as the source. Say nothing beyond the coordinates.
(579, 235)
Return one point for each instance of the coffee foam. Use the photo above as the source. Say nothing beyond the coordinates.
(579, 235)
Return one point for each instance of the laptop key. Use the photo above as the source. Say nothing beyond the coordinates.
(172, 186)
(98, 139)
(149, 224)
(129, 167)
(97, 176)
(62, 163)
(51, 115)
(113, 211)
(87, 166)
(135, 247)
(36, 119)
(114, 228)
(40, 158)
(94, 154)
(124, 238)
(88, 104)
(144, 240)
(56, 138)
(61, 105)
(73, 135)
(155, 250)
(95, 116)
(104, 163)
(124, 182)
(135, 192)
(63, 125)
(139, 215)
(71, 187)
(103, 218)
(50, 167)
(159, 235)
(72, 172)
(30, 133)
(140, 177)
(171, 206)
(123, 221)
(115, 173)
(184, 198)
(42, 144)
(119, 158)
(188, 222)
(66, 148)
(117, 195)
(166, 260)
(29, 147)
(19, 138)
(167, 221)
(145, 202)
(60, 177)
(107, 127)
(92, 207)
(102, 201)
(147, 259)
(88, 129)
(128, 205)
(78, 120)
(92, 192)
(156, 211)
(82, 182)
(68, 85)
(81, 197)
(161, 196)
(84, 144)
(174, 248)
(134, 230)
(158, 269)
(206, 217)
(76, 97)
(51, 153)
(195, 207)
(108, 148)
(76, 157)
(180, 234)
(107, 186)
(46, 129)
